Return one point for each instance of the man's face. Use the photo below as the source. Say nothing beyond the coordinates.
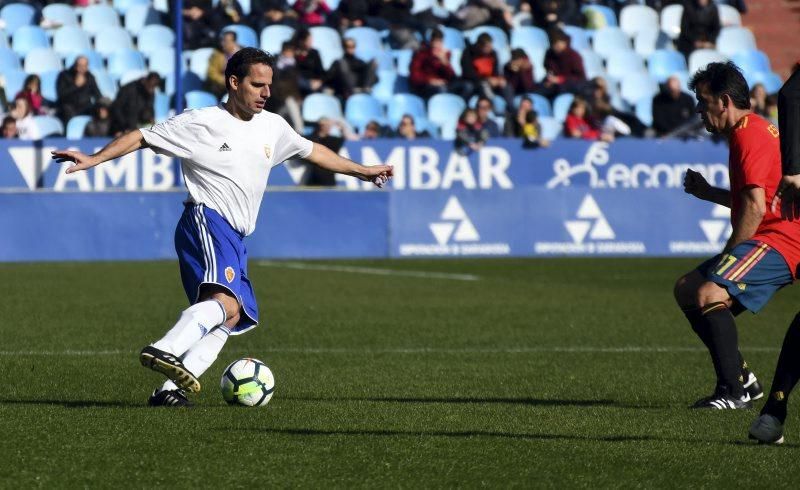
(674, 86)
(350, 47)
(487, 48)
(81, 64)
(252, 91)
(711, 109)
(228, 44)
(484, 109)
(151, 84)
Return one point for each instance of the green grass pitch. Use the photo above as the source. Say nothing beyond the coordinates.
(541, 373)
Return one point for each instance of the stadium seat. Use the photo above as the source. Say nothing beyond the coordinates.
(189, 80)
(317, 106)
(196, 99)
(362, 108)
(273, 37)
(199, 60)
(752, 61)
(95, 59)
(540, 104)
(247, 6)
(162, 61)
(9, 60)
(384, 89)
(97, 17)
(592, 64)
(521, 19)
(561, 106)
(106, 85)
(623, 63)
(71, 39)
(4, 39)
(60, 13)
(368, 42)
(131, 76)
(551, 127)
(112, 39)
(663, 63)
(530, 37)
(401, 104)
(732, 40)
(646, 42)
(607, 14)
(637, 18)
(610, 40)
(161, 106)
(328, 43)
(48, 126)
(48, 84)
(153, 38)
(122, 6)
(246, 37)
(453, 38)
(772, 81)
(16, 15)
(41, 60)
(728, 15)
(644, 110)
(444, 109)
(27, 38)
(14, 80)
(385, 60)
(76, 127)
(636, 86)
(579, 37)
(418, 6)
(125, 60)
(454, 5)
(455, 61)
(701, 57)
(499, 39)
(671, 20)
(138, 16)
(402, 59)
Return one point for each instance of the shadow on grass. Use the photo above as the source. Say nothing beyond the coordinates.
(76, 403)
(525, 401)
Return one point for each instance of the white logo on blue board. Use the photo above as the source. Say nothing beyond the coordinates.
(454, 224)
(716, 231)
(591, 221)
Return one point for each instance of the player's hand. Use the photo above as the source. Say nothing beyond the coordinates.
(695, 184)
(81, 160)
(377, 174)
(787, 197)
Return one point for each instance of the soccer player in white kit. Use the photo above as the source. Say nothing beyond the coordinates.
(226, 154)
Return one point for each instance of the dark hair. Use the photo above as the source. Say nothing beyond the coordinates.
(436, 33)
(8, 119)
(299, 36)
(228, 33)
(31, 78)
(482, 98)
(239, 64)
(483, 39)
(723, 78)
(557, 34)
(518, 54)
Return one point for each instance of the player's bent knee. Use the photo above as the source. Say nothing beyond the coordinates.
(233, 320)
(685, 292)
(709, 293)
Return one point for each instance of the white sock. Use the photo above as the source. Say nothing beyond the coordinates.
(202, 354)
(195, 322)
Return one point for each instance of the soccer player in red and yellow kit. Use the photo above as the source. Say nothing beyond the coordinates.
(763, 251)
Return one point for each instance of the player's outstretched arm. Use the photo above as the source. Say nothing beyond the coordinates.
(120, 146)
(327, 159)
(697, 185)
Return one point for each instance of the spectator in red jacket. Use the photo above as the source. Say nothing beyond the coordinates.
(579, 125)
(564, 67)
(519, 73)
(31, 90)
(479, 66)
(311, 12)
(432, 73)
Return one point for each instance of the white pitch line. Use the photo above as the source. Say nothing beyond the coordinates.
(369, 270)
(413, 350)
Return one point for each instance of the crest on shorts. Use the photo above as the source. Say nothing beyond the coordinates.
(229, 274)
(268, 151)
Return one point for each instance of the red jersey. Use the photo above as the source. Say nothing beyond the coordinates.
(755, 161)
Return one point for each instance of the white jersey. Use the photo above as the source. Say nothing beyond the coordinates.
(226, 161)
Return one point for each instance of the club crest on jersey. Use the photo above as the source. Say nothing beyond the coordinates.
(268, 151)
(229, 274)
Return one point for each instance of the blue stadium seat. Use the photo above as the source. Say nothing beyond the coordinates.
(27, 38)
(752, 61)
(623, 63)
(317, 106)
(95, 59)
(385, 60)
(328, 43)
(195, 99)
(499, 39)
(106, 85)
(112, 39)
(125, 60)
(9, 60)
(190, 82)
(592, 64)
(418, 6)
(637, 18)
(646, 42)
(71, 39)
(728, 15)
(131, 76)
(273, 37)
(198, 62)
(644, 111)
(453, 38)
(48, 83)
(4, 39)
(402, 59)
(732, 40)
(671, 20)
(16, 15)
(701, 57)
(772, 81)
(97, 17)
(401, 104)
(444, 109)
(530, 37)
(610, 40)
(76, 127)
(455, 61)
(60, 13)
(551, 127)
(153, 38)
(48, 126)
(247, 6)
(161, 106)
(579, 37)
(363, 108)
(14, 80)
(636, 86)
(608, 14)
(138, 16)
(385, 88)
(122, 6)
(246, 37)
(454, 5)
(368, 42)
(663, 63)
(162, 61)
(561, 106)
(41, 60)
(540, 104)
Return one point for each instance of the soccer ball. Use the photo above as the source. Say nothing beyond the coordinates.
(247, 382)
